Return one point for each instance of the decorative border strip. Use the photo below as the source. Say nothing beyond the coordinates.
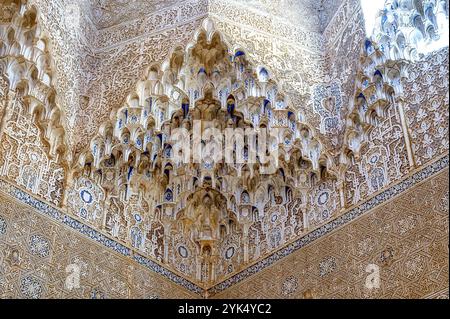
(333, 225)
(60, 217)
(443, 294)
(386, 195)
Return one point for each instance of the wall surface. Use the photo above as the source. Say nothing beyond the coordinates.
(38, 259)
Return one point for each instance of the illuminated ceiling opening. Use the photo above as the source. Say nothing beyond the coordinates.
(420, 26)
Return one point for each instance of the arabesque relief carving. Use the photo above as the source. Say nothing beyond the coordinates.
(202, 145)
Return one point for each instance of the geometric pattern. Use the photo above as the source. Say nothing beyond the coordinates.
(31, 288)
(39, 246)
(327, 266)
(3, 225)
(290, 286)
(34, 266)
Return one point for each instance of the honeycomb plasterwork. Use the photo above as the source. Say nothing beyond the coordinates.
(80, 86)
(191, 10)
(130, 148)
(27, 65)
(85, 113)
(76, 87)
(25, 158)
(116, 83)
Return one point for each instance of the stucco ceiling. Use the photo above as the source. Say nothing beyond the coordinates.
(107, 13)
(313, 15)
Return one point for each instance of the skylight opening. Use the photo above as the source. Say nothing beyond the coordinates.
(371, 8)
(424, 32)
